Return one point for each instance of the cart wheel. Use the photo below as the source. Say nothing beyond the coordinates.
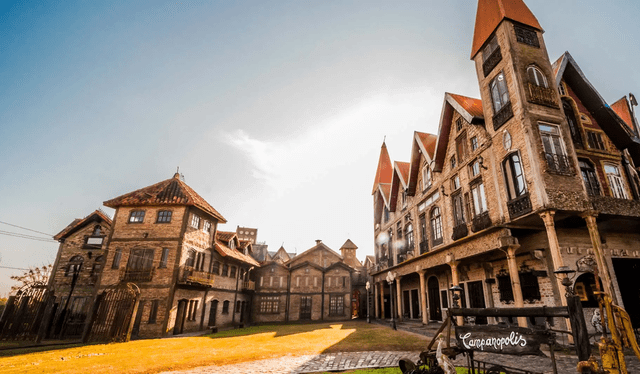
(406, 365)
(496, 369)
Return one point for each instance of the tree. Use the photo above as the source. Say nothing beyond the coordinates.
(31, 277)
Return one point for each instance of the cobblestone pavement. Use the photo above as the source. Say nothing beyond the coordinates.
(359, 360)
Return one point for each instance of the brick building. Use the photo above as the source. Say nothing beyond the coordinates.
(538, 173)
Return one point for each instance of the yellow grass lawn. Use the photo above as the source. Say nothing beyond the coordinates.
(227, 347)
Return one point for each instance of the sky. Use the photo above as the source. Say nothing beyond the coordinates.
(273, 111)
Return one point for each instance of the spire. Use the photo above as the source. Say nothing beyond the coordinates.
(384, 173)
(492, 12)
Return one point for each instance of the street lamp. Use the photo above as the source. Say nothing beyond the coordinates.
(455, 290)
(565, 274)
(368, 287)
(390, 278)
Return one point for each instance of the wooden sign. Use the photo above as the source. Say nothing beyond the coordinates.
(510, 340)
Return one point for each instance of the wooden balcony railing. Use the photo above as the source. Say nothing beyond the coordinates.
(491, 61)
(192, 276)
(424, 246)
(480, 222)
(137, 275)
(504, 114)
(249, 286)
(519, 206)
(460, 231)
(542, 95)
(558, 164)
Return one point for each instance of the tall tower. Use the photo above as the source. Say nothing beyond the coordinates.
(523, 115)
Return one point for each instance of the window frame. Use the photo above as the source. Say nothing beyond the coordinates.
(534, 74)
(435, 223)
(136, 216)
(164, 216)
(511, 176)
(499, 88)
(615, 182)
(590, 177)
(194, 222)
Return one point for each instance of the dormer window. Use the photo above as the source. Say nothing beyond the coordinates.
(206, 227)
(136, 216)
(426, 177)
(404, 198)
(232, 244)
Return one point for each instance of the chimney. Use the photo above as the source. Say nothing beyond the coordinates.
(318, 241)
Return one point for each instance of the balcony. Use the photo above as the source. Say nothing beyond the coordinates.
(504, 114)
(192, 276)
(542, 95)
(491, 61)
(480, 222)
(558, 164)
(249, 286)
(519, 206)
(424, 247)
(460, 231)
(137, 275)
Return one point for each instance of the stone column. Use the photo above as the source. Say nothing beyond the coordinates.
(554, 248)
(376, 306)
(423, 297)
(515, 281)
(382, 300)
(399, 297)
(455, 279)
(601, 261)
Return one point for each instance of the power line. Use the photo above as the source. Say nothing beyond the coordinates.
(9, 267)
(30, 237)
(24, 228)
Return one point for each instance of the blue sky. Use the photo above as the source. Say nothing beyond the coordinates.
(274, 111)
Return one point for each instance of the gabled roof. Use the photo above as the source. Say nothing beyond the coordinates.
(225, 236)
(225, 251)
(370, 259)
(318, 246)
(491, 12)
(172, 191)
(623, 110)
(470, 109)
(423, 144)
(400, 176)
(384, 172)
(402, 168)
(340, 265)
(385, 192)
(609, 121)
(349, 245)
(78, 223)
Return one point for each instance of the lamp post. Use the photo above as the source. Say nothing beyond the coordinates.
(455, 290)
(390, 278)
(368, 287)
(574, 306)
(565, 274)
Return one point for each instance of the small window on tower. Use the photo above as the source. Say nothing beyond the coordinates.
(526, 36)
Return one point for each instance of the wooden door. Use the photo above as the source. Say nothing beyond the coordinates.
(476, 299)
(213, 312)
(435, 311)
(415, 304)
(181, 314)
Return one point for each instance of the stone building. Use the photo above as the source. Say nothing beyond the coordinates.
(318, 284)
(538, 173)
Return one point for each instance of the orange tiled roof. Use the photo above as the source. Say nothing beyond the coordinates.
(621, 107)
(403, 168)
(428, 142)
(386, 191)
(225, 236)
(172, 191)
(492, 12)
(471, 105)
(228, 252)
(384, 173)
(81, 221)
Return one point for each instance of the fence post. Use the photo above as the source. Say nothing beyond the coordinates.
(578, 327)
(92, 318)
(46, 317)
(7, 313)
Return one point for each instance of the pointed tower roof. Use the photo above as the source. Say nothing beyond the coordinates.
(384, 173)
(172, 191)
(349, 245)
(492, 12)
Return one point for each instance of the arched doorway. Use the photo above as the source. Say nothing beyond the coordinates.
(213, 312)
(433, 289)
(355, 304)
(585, 286)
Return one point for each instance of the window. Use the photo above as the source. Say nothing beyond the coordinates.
(116, 258)
(237, 306)
(514, 176)
(404, 198)
(574, 126)
(536, 77)
(616, 184)
(589, 177)
(193, 308)
(232, 272)
(426, 177)
(153, 312)
(232, 244)
(225, 307)
(499, 92)
(453, 162)
(594, 140)
(561, 89)
(455, 182)
(206, 227)
(492, 45)
(74, 266)
(555, 155)
(269, 304)
(195, 221)
(215, 267)
(504, 286)
(530, 286)
(458, 209)
(423, 234)
(96, 269)
(409, 237)
(399, 229)
(336, 305)
(479, 200)
(136, 216)
(474, 169)
(164, 216)
(474, 143)
(191, 258)
(140, 259)
(164, 258)
(459, 124)
(461, 147)
(225, 270)
(386, 214)
(436, 226)
(526, 36)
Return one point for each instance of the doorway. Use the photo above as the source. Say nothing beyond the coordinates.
(305, 307)
(406, 304)
(213, 312)
(435, 311)
(180, 316)
(415, 304)
(627, 270)
(476, 299)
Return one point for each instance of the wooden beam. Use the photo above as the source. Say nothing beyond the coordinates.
(511, 312)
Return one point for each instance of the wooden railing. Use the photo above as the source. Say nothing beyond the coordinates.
(558, 164)
(137, 275)
(542, 95)
(504, 114)
(192, 276)
(460, 231)
(249, 286)
(480, 222)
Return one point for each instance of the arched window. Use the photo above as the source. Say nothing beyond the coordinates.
(499, 92)
(514, 176)
(225, 307)
(436, 226)
(536, 77)
(589, 177)
(74, 266)
(97, 230)
(574, 126)
(426, 177)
